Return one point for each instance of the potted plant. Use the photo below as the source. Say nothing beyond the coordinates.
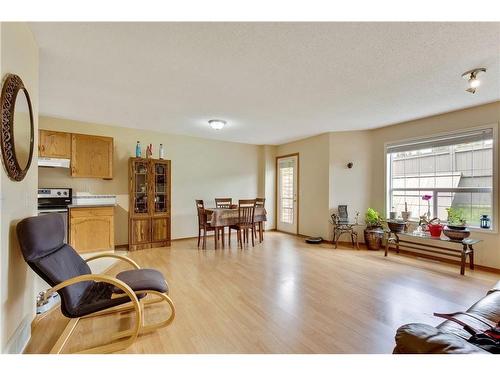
(374, 234)
(456, 228)
(456, 219)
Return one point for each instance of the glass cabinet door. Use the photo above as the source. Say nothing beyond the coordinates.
(160, 175)
(140, 187)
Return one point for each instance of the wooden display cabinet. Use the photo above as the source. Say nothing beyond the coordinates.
(150, 200)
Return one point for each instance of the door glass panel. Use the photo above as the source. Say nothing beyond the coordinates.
(141, 188)
(286, 193)
(160, 187)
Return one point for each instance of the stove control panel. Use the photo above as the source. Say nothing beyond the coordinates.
(54, 193)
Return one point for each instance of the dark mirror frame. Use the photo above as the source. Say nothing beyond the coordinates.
(12, 85)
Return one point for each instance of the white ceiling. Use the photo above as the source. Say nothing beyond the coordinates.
(273, 82)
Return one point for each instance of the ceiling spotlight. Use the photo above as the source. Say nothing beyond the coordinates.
(472, 79)
(217, 124)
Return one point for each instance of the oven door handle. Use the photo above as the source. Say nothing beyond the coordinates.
(52, 210)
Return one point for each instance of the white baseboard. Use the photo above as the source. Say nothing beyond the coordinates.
(20, 338)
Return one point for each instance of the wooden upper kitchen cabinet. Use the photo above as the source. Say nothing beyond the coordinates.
(91, 228)
(52, 144)
(91, 156)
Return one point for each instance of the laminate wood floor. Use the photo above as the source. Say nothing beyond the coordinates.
(285, 296)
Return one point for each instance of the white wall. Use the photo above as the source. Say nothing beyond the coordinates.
(314, 160)
(267, 182)
(19, 55)
(350, 186)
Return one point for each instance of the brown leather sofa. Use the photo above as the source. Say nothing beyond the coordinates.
(448, 337)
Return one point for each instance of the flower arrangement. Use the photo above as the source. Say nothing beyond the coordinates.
(428, 197)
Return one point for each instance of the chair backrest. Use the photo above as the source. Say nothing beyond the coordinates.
(202, 216)
(260, 202)
(223, 202)
(42, 243)
(246, 211)
(342, 209)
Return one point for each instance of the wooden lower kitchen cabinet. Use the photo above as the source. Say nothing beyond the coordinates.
(91, 228)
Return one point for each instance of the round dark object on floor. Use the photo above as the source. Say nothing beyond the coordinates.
(314, 240)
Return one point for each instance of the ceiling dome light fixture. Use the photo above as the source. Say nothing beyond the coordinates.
(472, 79)
(217, 124)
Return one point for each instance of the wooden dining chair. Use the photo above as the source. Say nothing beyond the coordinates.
(246, 223)
(203, 225)
(259, 203)
(223, 202)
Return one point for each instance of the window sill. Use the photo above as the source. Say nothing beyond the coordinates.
(481, 230)
(472, 229)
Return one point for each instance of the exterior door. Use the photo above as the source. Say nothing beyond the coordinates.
(287, 169)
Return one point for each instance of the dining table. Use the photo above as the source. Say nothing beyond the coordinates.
(225, 217)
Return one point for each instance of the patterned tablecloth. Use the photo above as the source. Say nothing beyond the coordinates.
(222, 217)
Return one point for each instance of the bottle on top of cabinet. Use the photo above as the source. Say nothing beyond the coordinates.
(138, 151)
(161, 152)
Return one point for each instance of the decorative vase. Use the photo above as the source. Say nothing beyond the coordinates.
(406, 215)
(373, 237)
(436, 229)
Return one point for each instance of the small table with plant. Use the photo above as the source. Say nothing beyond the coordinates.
(428, 237)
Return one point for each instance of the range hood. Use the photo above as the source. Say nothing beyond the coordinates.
(53, 162)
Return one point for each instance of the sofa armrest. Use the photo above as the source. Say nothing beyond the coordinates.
(496, 288)
(417, 338)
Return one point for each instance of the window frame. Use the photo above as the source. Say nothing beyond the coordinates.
(494, 190)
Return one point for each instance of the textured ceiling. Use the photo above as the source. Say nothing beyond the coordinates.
(273, 82)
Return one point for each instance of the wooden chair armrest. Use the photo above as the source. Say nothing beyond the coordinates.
(132, 334)
(116, 256)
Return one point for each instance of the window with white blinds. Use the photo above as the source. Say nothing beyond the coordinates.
(456, 170)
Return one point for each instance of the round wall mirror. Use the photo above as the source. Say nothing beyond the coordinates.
(17, 130)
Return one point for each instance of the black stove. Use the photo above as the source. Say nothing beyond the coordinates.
(54, 199)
